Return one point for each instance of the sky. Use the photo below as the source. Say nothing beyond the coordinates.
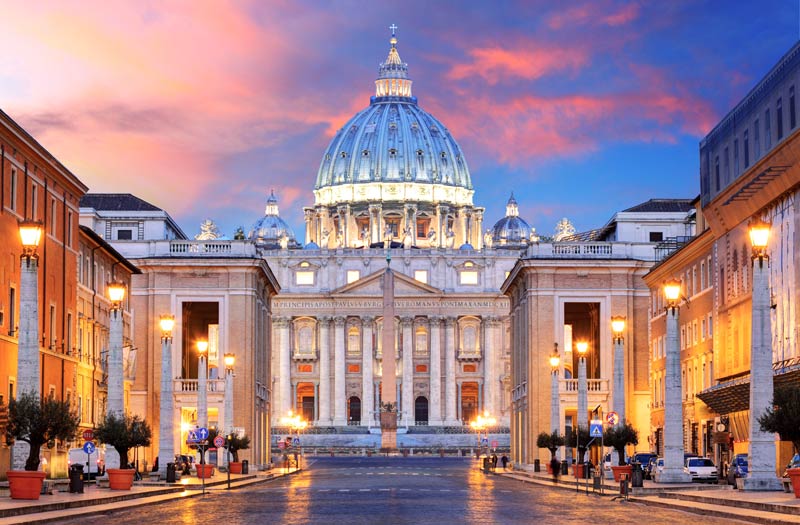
(581, 108)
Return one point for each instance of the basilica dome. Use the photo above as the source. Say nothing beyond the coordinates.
(393, 151)
(511, 231)
(270, 231)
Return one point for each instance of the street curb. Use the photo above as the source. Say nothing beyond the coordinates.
(714, 512)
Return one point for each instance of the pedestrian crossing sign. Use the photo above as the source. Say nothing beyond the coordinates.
(596, 429)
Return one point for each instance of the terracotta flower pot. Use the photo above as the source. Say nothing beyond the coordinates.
(205, 471)
(120, 479)
(24, 484)
(622, 469)
(235, 467)
(577, 470)
(793, 473)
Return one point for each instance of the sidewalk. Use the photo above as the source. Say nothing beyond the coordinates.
(711, 500)
(94, 500)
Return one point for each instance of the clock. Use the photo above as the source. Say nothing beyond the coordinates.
(720, 427)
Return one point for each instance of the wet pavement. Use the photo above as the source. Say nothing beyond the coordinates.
(396, 490)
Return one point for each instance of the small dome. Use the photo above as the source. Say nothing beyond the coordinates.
(270, 231)
(511, 231)
(311, 246)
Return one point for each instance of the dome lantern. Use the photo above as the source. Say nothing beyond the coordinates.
(393, 81)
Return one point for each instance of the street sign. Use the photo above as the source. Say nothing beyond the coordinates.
(88, 435)
(89, 447)
(485, 442)
(612, 418)
(219, 441)
(495, 444)
(596, 428)
(281, 445)
(296, 441)
(201, 433)
(191, 439)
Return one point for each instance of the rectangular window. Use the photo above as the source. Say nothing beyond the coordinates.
(353, 276)
(702, 329)
(746, 149)
(735, 157)
(767, 131)
(656, 236)
(756, 141)
(710, 326)
(694, 332)
(13, 203)
(304, 278)
(69, 229)
(702, 275)
(468, 277)
(779, 117)
(694, 280)
(53, 217)
(710, 269)
(727, 166)
(421, 276)
(52, 327)
(69, 334)
(716, 173)
(792, 118)
(12, 311)
(34, 202)
(124, 235)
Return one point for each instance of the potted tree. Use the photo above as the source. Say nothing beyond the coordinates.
(618, 437)
(123, 433)
(579, 438)
(36, 422)
(783, 418)
(551, 442)
(235, 444)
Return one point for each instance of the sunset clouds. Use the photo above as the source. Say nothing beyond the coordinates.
(203, 107)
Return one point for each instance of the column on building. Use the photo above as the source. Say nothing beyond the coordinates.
(450, 372)
(367, 388)
(490, 376)
(281, 325)
(308, 215)
(441, 220)
(477, 233)
(407, 404)
(339, 402)
(324, 370)
(375, 226)
(435, 404)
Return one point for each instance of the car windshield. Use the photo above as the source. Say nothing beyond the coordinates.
(700, 462)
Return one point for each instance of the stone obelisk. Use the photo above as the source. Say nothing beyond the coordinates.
(388, 405)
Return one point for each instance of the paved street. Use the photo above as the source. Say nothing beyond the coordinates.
(397, 490)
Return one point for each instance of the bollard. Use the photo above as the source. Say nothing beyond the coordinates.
(76, 479)
(170, 472)
(564, 467)
(537, 465)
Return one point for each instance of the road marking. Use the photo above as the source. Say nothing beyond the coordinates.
(444, 490)
(384, 490)
(405, 490)
(344, 490)
(364, 490)
(324, 490)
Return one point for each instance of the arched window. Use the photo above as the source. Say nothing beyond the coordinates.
(353, 340)
(421, 341)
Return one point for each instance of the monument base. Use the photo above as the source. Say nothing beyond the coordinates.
(766, 483)
(674, 476)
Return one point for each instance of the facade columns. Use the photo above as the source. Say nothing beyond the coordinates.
(116, 381)
(28, 379)
(450, 372)
(281, 324)
(308, 215)
(673, 406)
(339, 402)
(324, 370)
(435, 402)
(376, 229)
(407, 404)
(166, 405)
(490, 376)
(367, 389)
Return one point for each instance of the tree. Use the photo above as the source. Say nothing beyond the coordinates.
(123, 433)
(37, 422)
(550, 441)
(783, 417)
(236, 443)
(620, 436)
(583, 438)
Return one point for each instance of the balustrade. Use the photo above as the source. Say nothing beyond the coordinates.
(191, 385)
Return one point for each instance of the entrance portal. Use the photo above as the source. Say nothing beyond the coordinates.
(421, 411)
(354, 411)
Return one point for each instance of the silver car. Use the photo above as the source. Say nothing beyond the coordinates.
(701, 469)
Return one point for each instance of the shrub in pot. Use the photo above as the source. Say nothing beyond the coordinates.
(235, 444)
(551, 442)
(618, 437)
(37, 421)
(123, 433)
(783, 418)
(578, 438)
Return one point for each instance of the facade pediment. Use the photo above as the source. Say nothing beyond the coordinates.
(372, 285)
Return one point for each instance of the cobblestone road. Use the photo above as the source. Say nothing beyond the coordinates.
(397, 491)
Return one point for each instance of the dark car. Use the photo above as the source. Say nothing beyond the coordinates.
(643, 458)
(737, 468)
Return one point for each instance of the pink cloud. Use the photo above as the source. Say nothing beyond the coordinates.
(529, 61)
(595, 13)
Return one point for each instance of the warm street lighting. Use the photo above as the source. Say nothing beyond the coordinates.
(555, 360)
(202, 348)
(229, 360)
(761, 457)
(555, 401)
(202, 383)
(116, 402)
(583, 391)
(297, 424)
(672, 292)
(30, 234)
(166, 438)
(481, 424)
(582, 347)
(618, 325)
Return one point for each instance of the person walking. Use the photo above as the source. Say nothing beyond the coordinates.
(555, 467)
(504, 461)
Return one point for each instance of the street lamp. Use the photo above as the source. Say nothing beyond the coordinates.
(30, 234)
(618, 327)
(761, 460)
(583, 394)
(116, 404)
(673, 406)
(166, 439)
(481, 424)
(555, 402)
(296, 423)
(202, 384)
(229, 360)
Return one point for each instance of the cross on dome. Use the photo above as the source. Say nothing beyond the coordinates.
(393, 27)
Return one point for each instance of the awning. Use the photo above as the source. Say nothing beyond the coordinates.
(734, 395)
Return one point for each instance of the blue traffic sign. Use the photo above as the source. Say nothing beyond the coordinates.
(596, 429)
(296, 441)
(201, 433)
(485, 442)
(89, 447)
(192, 437)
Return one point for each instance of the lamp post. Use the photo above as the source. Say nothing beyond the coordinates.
(30, 234)
(297, 423)
(481, 424)
(673, 406)
(555, 402)
(229, 360)
(166, 439)
(202, 384)
(761, 467)
(116, 403)
(583, 402)
(618, 327)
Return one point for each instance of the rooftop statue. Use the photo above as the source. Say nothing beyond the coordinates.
(564, 228)
(208, 231)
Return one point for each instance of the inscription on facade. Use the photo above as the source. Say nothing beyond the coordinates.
(292, 304)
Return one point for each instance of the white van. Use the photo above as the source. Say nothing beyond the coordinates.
(97, 461)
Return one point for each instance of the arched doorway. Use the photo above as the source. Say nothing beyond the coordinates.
(421, 411)
(469, 401)
(354, 411)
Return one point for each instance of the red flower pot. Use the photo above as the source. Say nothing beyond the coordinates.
(622, 469)
(205, 471)
(235, 467)
(577, 470)
(120, 479)
(793, 473)
(24, 484)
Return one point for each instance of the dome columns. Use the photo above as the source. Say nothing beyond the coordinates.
(410, 220)
(310, 218)
(375, 223)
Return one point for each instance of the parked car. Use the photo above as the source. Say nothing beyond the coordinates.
(643, 458)
(737, 468)
(657, 468)
(701, 469)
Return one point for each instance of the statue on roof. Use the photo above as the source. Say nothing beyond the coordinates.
(208, 231)
(564, 228)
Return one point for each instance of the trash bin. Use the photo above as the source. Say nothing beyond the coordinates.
(564, 467)
(245, 466)
(486, 464)
(537, 465)
(76, 479)
(637, 475)
(170, 472)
